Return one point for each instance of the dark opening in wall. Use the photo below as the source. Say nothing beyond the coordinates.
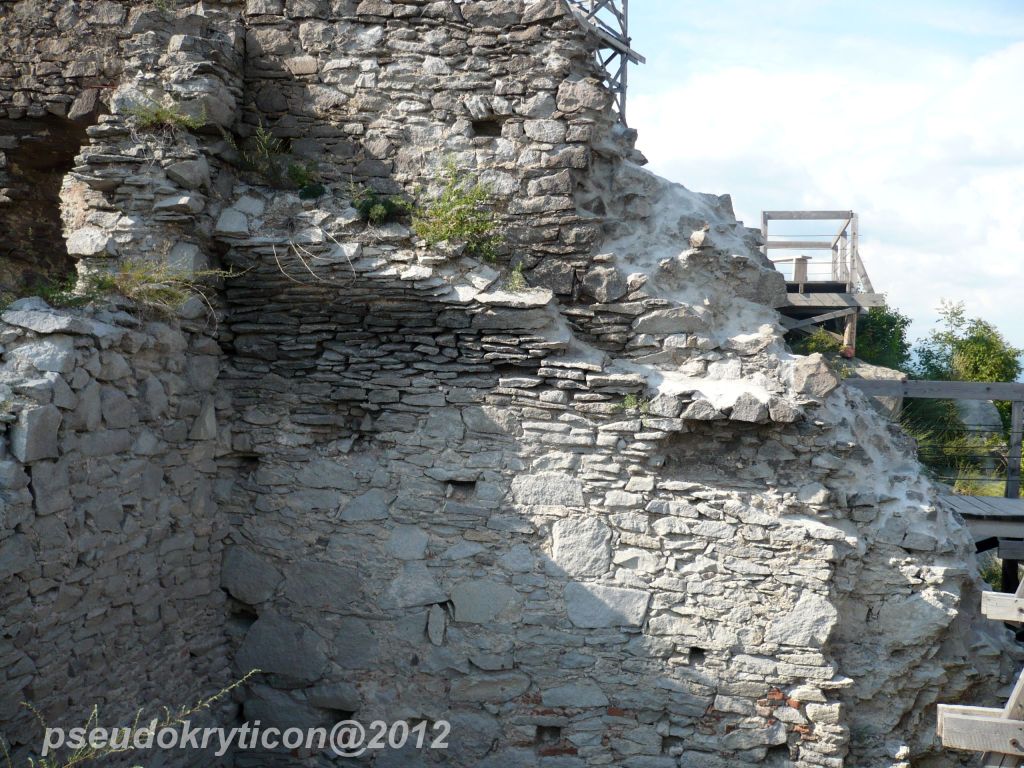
(240, 617)
(461, 490)
(672, 745)
(778, 755)
(489, 127)
(697, 655)
(547, 734)
(38, 153)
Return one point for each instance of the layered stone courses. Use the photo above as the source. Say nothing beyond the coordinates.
(608, 520)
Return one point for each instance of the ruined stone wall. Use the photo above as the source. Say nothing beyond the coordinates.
(110, 543)
(109, 537)
(605, 520)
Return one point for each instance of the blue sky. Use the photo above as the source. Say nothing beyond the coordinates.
(909, 112)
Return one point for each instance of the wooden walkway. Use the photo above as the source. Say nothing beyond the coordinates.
(990, 516)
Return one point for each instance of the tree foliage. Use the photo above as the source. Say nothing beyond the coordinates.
(966, 349)
(882, 338)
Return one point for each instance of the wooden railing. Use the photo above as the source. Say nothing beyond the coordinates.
(846, 264)
(964, 390)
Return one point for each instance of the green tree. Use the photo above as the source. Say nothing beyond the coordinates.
(961, 349)
(882, 338)
(966, 349)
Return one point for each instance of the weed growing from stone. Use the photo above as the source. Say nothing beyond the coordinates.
(633, 403)
(154, 287)
(516, 282)
(55, 292)
(460, 215)
(305, 177)
(262, 155)
(87, 754)
(153, 116)
(376, 208)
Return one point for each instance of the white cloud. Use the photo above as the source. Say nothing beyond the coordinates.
(928, 148)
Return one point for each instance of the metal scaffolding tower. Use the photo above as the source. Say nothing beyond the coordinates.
(608, 22)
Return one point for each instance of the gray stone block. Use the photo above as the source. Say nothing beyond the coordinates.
(595, 605)
(321, 586)
(247, 576)
(480, 602)
(278, 646)
(35, 435)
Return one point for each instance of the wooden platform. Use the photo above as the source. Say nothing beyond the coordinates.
(990, 516)
(825, 301)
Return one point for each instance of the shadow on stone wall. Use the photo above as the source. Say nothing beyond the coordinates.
(39, 153)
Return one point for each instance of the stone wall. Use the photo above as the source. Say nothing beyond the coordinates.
(605, 520)
(110, 540)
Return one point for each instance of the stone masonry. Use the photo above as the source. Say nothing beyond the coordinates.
(605, 520)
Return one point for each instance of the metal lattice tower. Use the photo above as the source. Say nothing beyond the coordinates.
(608, 22)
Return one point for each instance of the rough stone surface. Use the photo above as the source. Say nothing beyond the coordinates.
(604, 521)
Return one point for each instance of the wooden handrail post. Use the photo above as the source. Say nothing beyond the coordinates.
(800, 271)
(1014, 453)
(1011, 571)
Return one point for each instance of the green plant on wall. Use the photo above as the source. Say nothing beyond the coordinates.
(460, 215)
(633, 403)
(307, 180)
(516, 281)
(377, 208)
(153, 115)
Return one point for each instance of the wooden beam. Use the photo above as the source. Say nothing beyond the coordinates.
(1011, 549)
(999, 606)
(806, 215)
(941, 390)
(822, 318)
(841, 232)
(798, 245)
(983, 733)
(836, 300)
(1014, 455)
(962, 710)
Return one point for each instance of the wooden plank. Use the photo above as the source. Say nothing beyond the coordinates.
(841, 232)
(943, 390)
(978, 505)
(981, 733)
(965, 505)
(984, 528)
(1000, 606)
(1014, 710)
(1011, 549)
(612, 41)
(810, 332)
(1013, 459)
(965, 711)
(999, 507)
(830, 300)
(806, 215)
(798, 245)
(989, 507)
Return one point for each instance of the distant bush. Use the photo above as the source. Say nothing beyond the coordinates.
(821, 341)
